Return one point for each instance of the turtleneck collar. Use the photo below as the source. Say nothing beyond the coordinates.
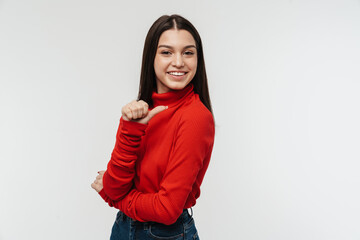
(173, 97)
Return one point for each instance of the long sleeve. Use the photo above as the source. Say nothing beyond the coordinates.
(171, 157)
(118, 178)
(185, 171)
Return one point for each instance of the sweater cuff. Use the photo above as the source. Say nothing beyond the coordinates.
(103, 194)
(133, 128)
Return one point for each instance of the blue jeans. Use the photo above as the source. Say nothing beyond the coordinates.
(126, 228)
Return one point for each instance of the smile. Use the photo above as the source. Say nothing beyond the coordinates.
(177, 73)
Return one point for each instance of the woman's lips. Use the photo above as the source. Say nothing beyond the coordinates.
(177, 74)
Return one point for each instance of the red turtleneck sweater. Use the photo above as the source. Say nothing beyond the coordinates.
(156, 170)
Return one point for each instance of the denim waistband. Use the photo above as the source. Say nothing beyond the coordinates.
(184, 217)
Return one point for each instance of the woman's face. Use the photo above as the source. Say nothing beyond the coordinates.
(175, 60)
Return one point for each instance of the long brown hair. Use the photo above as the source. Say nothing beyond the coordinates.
(148, 78)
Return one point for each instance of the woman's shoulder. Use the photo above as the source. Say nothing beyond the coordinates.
(196, 112)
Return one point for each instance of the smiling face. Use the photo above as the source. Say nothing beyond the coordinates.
(175, 60)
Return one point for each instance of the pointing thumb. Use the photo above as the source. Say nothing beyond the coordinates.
(155, 111)
(152, 113)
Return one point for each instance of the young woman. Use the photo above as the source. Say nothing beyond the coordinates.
(164, 141)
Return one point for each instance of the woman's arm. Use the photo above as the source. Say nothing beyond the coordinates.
(118, 178)
(183, 176)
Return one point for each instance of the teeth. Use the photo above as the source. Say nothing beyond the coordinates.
(177, 73)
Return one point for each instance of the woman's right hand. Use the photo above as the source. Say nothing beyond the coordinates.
(138, 111)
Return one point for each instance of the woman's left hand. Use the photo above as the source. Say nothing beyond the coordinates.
(98, 183)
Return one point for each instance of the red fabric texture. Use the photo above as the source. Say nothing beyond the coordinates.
(156, 170)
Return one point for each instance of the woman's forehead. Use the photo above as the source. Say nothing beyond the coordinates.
(176, 38)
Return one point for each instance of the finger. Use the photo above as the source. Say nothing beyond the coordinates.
(124, 110)
(101, 172)
(151, 114)
(98, 183)
(97, 188)
(142, 108)
(138, 112)
(129, 114)
(133, 112)
(156, 111)
(99, 179)
(146, 109)
(126, 113)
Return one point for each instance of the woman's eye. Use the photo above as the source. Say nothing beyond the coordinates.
(165, 52)
(189, 53)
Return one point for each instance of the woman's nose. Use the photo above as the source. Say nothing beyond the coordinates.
(178, 61)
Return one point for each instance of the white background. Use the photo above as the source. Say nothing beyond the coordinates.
(284, 80)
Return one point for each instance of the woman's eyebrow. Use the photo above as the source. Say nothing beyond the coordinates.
(168, 46)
